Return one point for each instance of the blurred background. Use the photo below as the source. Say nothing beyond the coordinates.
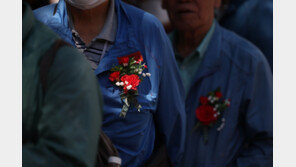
(251, 19)
(37, 4)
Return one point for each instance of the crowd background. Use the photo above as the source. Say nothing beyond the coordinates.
(254, 74)
(284, 66)
(251, 19)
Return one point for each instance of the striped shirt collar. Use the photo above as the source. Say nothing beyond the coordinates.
(108, 32)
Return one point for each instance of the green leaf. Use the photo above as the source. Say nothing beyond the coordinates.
(198, 124)
(211, 94)
(218, 89)
(206, 135)
(123, 96)
(124, 110)
(136, 93)
(125, 100)
(122, 114)
(139, 107)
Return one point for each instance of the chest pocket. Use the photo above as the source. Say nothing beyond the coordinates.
(127, 133)
(111, 93)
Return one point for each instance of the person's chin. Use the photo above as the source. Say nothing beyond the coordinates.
(186, 25)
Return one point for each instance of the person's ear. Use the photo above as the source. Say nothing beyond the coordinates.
(217, 4)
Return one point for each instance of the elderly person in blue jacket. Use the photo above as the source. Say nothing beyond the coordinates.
(253, 20)
(135, 66)
(228, 85)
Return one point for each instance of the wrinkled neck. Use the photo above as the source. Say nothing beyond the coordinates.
(88, 23)
(188, 41)
(89, 17)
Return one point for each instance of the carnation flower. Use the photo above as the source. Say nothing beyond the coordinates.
(218, 94)
(123, 60)
(203, 100)
(210, 111)
(127, 76)
(131, 82)
(137, 57)
(206, 114)
(114, 76)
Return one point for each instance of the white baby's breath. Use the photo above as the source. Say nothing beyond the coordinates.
(129, 87)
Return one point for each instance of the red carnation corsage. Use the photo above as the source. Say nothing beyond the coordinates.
(210, 110)
(128, 76)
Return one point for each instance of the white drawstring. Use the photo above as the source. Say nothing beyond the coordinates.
(115, 160)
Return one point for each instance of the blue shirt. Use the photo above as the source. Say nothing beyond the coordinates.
(189, 65)
(253, 20)
(244, 76)
(162, 108)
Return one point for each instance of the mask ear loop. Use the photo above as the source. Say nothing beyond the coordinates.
(104, 50)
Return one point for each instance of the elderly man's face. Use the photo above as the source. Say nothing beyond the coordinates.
(190, 14)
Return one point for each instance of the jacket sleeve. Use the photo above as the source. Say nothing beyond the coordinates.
(258, 124)
(69, 125)
(170, 114)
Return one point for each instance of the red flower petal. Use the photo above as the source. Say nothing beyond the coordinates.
(203, 100)
(114, 76)
(205, 114)
(218, 94)
(137, 57)
(132, 80)
(123, 60)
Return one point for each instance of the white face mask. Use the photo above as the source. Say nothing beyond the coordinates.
(85, 4)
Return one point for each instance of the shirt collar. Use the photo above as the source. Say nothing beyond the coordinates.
(201, 48)
(108, 32)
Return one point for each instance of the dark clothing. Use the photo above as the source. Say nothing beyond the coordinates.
(243, 74)
(61, 124)
(252, 19)
(37, 4)
(161, 95)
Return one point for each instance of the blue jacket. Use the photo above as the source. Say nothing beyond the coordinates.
(253, 20)
(161, 95)
(244, 76)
